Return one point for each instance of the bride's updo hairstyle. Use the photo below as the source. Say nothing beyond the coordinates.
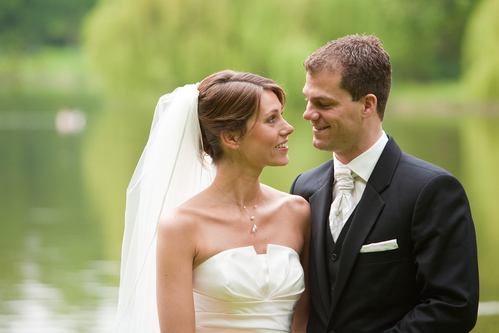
(227, 100)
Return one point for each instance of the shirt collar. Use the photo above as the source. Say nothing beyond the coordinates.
(363, 165)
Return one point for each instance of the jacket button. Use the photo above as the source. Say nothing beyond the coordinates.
(334, 257)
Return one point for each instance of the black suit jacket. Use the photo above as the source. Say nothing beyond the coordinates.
(429, 284)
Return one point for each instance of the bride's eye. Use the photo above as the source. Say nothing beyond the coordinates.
(271, 119)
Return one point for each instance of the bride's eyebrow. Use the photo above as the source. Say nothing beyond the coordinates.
(271, 112)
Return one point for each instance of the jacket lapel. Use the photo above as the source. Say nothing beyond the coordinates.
(366, 215)
(320, 202)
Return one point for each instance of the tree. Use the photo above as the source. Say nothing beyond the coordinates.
(27, 24)
(156, 45)
(481, 52)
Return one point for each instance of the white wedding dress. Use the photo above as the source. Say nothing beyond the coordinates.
(239, 290)
(235, 290)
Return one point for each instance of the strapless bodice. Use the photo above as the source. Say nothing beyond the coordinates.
(239, 290)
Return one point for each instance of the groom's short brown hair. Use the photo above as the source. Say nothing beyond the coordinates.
(364, 66)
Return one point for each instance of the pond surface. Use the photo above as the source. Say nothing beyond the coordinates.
(62, 196)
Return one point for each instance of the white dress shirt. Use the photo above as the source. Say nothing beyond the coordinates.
(363, 166)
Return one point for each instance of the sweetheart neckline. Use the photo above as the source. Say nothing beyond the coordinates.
(248, 247)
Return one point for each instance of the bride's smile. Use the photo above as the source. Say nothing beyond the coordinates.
(266, 140)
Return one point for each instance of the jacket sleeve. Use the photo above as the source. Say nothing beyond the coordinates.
(445, 255)
(292, 190)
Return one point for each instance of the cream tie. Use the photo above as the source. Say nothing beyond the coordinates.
(343, 204)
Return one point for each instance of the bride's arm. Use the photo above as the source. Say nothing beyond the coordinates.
(302, 312)
(174, 256)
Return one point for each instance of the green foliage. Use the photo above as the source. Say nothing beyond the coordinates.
(163, 43)
(481, 51)
(27, 24)
(425, 37)
(480, 138)
(487, 324)
(49, 70)
(155, 45)
(422, 37)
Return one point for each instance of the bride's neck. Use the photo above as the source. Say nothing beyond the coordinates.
(238, 183)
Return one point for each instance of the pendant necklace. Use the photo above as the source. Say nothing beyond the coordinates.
(252, 216)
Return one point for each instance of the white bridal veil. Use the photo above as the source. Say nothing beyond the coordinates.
(169, 172)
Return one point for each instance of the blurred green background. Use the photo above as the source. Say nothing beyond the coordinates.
(79, 81)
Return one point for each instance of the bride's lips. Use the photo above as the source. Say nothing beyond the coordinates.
(283, 145)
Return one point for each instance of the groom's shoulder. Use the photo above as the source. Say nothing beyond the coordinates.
(308, 182)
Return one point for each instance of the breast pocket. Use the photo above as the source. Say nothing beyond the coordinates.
(378, 257)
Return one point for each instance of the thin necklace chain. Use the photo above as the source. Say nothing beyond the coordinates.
(252, 216)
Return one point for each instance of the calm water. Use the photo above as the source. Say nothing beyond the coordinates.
(62, 200)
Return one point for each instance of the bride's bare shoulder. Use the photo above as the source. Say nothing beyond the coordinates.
(291, 201)
(181, 221)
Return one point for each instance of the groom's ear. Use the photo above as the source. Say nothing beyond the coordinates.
(370, 102)
(230, 139)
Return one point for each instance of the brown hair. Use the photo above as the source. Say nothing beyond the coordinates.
(364, 66)
(227, 100)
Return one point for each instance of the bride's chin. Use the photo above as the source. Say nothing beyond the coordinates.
(282, 163)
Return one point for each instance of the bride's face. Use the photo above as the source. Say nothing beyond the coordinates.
(266, 140)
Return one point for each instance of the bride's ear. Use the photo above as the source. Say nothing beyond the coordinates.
(230, 139)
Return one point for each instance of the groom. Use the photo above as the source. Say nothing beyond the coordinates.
(393, 245)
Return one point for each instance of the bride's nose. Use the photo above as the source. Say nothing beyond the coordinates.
(287, 129)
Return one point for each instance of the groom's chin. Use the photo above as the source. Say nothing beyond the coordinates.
(321, 145)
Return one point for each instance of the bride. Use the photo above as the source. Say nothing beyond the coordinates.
(227, 254)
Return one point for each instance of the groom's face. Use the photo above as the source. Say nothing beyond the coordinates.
(335, 118)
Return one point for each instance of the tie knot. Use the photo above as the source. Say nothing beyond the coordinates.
(344, 178)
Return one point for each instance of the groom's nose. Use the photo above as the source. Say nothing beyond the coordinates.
(310, 112)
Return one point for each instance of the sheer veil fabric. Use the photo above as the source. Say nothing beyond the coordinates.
(170, 171)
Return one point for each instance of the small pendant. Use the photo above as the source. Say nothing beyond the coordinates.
(254, 228)
(252, 218)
